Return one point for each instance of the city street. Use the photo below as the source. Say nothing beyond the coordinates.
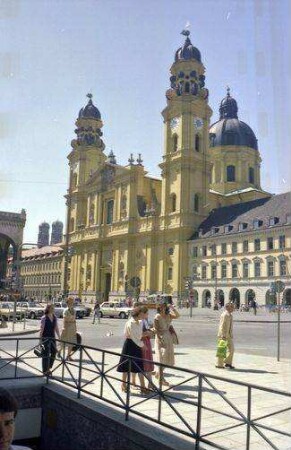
(254, 335)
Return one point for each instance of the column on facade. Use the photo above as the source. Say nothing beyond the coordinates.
(115, 269)
(97, 276)
(85, 262)
(239, 170)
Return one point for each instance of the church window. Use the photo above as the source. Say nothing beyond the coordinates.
(230, 173)
(110, 208)
(251, 175)
(170, 273)
(197, 143)
(196, 203)
(187, 88)
(74, 180)
(173, 202)
(72, 224)
(91, 214)
(175, 143)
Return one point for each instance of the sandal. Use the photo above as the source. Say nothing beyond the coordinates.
(124, 388)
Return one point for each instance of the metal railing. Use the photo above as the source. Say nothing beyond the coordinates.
(198, 418)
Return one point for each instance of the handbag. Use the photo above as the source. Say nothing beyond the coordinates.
(174, 335)
(79, 342)
(221, 348)
(39, 351)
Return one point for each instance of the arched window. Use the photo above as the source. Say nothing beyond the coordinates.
(251, 175)
(197, 143)
(230, 173)
(110, 208)
(173, 202)
(187, 88)
(175, 142)
(196, 203)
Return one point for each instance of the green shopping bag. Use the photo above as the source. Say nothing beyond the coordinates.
(221, 348)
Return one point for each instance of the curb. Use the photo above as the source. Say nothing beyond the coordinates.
(15, 333)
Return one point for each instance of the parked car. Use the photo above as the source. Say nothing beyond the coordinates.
(7, 311)
(115, 309)
(87, 310)
(61, 306)
(33, 310)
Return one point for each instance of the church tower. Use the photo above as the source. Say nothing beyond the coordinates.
(85, 158)
(235, 157)
(185, 168)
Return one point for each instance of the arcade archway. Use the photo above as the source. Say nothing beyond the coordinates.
(287, 297)
(234, 297)
(220, 297)
(250, 296)
(206, 298)
(270, 298)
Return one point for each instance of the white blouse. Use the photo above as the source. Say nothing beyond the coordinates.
(133, 331)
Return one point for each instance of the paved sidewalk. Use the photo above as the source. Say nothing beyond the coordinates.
(181, 397)
(20, 328)
(208, 314)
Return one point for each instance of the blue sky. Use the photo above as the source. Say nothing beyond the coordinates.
(52, 53)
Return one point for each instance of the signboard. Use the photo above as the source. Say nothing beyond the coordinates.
(277, 287)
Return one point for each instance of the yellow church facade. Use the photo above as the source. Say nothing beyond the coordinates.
(128, 232)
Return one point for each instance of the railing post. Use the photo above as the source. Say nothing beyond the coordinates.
(160, 397)
(102, 376)
(63, 351)
(128, 390)
(16, 358)
(199, 412)
(80, 372)
(249, 418)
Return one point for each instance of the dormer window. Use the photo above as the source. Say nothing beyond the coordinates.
(273, 221)
(242, 226)
(228, 228)
(257, 223)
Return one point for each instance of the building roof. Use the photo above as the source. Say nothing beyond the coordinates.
(40, 252)
(254, 215)
(229, 130)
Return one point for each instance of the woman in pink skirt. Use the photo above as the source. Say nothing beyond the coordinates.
(147, 354)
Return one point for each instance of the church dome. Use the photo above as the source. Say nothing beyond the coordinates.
(89, 111)
(229, 130)
(188, 51)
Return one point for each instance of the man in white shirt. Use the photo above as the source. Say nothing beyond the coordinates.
(8, 412)
(225, 332)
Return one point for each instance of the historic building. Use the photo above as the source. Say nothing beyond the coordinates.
(128, 232)
(11, 236)
(239, 250)
(41, 272)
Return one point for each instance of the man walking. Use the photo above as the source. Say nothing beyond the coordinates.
(96, 312)
(225, 332)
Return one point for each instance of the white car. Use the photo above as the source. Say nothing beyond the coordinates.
(115, 309)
